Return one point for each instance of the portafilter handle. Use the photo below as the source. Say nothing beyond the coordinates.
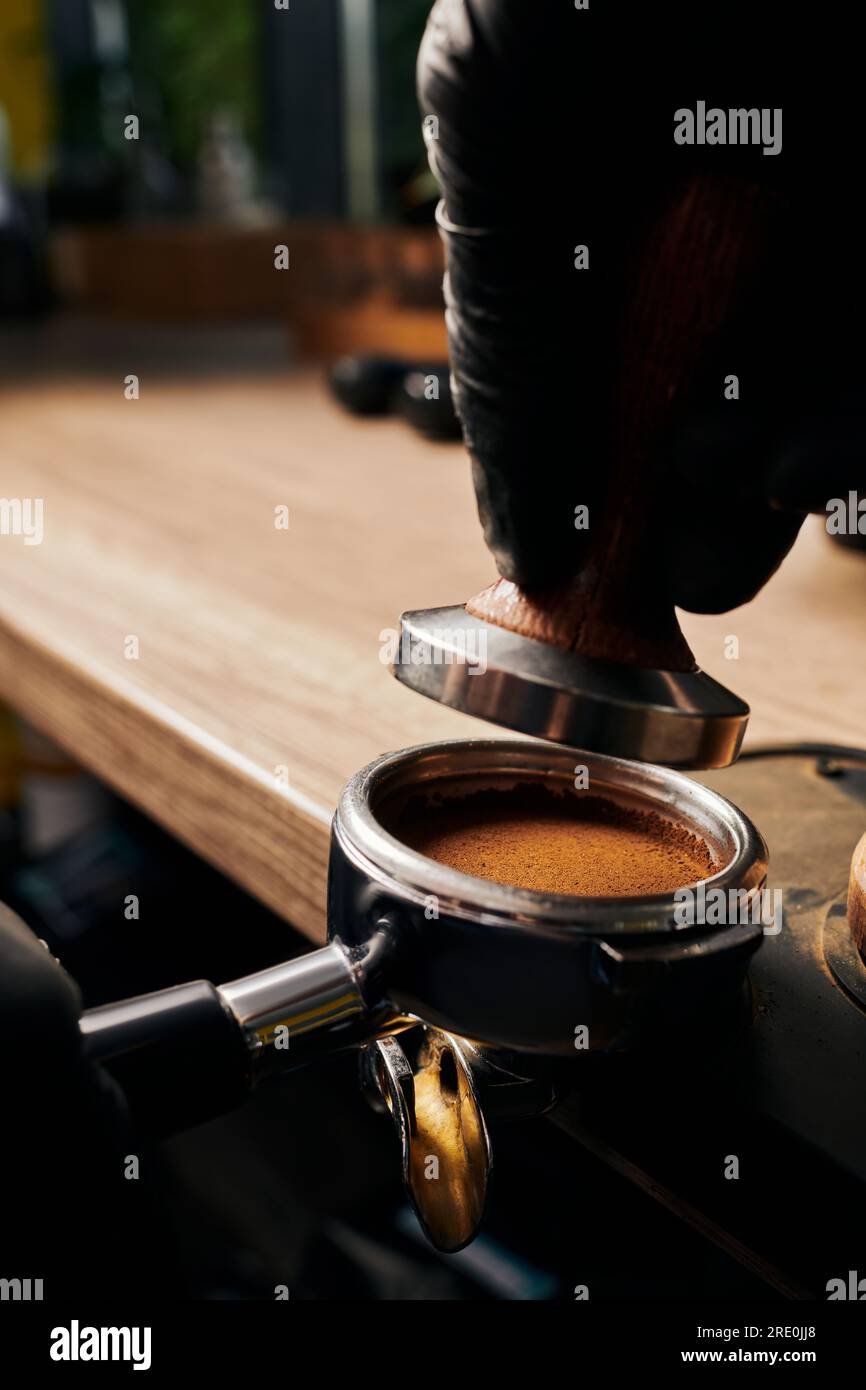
(185, 1054)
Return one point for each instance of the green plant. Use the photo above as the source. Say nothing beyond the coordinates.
(192, 57)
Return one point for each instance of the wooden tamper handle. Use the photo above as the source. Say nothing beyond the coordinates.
(857, 898)
(696, 257)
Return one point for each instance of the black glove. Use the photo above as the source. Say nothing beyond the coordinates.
(553, 128)
(71, 1218)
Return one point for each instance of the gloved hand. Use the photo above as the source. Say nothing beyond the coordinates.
(70, 1216)
(40, 1005)
(553, 128)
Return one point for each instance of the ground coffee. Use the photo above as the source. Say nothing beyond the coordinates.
(533, 837)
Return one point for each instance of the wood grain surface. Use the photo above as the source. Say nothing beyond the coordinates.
(259, 648)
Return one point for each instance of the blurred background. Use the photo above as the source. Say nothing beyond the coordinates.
(153, 154)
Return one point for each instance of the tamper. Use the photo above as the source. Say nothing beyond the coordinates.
(600, 662)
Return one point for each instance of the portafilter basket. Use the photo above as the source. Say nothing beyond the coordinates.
(517, 968)
(484, 964)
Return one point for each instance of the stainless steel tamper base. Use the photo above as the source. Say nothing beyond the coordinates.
(681, 719)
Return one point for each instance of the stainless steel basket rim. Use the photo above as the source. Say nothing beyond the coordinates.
(414, 876)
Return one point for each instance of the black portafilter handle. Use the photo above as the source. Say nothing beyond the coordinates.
(189, 1053)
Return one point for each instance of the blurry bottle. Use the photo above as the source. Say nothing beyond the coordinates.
(226, 172)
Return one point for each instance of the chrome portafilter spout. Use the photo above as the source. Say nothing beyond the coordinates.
(441, 1091)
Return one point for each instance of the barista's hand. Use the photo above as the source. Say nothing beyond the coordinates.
(40, 1005)
(547, 132)
(65, 1130)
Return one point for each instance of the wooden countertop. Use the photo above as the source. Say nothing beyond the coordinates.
(259, 648)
